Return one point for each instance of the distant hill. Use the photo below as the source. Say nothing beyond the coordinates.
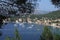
(50, 15)
(53, 15)
(40, 12)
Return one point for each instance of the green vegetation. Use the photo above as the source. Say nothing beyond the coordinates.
(17, 36)
(56, 37)
(33, 16)
(48, 35)
(53, 15)
(7, 38)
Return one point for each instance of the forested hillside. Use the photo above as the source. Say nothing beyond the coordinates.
(53, 15)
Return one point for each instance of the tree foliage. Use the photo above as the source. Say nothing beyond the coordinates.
(16, 7)
(56, 2)
(10, 8)
(56, 37)
(1, 19)
(46, 35)
(19, 2)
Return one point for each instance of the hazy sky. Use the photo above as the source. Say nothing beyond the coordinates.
(46, 5)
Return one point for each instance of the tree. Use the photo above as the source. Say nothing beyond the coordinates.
(47, 34)
(56, 3)
(19, 2)
(1, 20)
(11, 8)
(56, 37)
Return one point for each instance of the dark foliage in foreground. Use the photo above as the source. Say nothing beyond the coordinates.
(1, 20)
(12, 8)
(48, 35)
(56, 2)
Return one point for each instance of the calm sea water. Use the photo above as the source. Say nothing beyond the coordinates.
(27, 31)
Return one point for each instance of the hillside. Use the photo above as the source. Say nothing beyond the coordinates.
(53, 15)
(40, 12)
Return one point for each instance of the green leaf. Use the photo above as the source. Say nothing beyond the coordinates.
(7, 38)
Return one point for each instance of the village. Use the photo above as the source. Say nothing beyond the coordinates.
(43, 21)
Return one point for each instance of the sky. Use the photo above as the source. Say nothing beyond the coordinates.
(46, 5)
